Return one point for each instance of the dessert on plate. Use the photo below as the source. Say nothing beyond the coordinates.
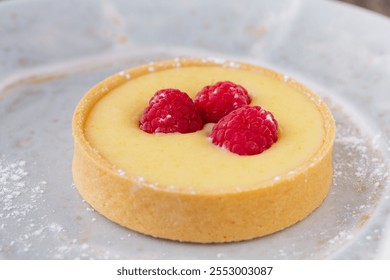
(191, 184)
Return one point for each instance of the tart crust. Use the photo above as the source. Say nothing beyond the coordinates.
(203, 218)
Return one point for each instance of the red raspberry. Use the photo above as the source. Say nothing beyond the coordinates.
(246, 131)
(216, 101)
(170, 110)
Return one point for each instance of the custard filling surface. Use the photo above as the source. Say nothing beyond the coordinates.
(190, 162)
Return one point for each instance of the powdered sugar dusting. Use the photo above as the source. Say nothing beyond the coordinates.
(151, 67)
(277, 178)
(359, 177)
(28, 232)
(19, 198)
(12, 186)
(177, 62)
(121, 172)
(216, 60)
(125, 74)
(360, 173)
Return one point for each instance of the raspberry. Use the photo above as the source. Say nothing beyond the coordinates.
(170, 110)
(216, 101)
(246, 131)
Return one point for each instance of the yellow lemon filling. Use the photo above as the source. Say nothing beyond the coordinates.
(190, 162)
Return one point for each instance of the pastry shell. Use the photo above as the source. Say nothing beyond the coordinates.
(203, 218)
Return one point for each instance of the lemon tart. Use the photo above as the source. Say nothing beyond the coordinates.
(180, 186)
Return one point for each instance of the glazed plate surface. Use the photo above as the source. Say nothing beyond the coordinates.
(49, 58)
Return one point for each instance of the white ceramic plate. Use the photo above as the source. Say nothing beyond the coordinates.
(52, 53)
